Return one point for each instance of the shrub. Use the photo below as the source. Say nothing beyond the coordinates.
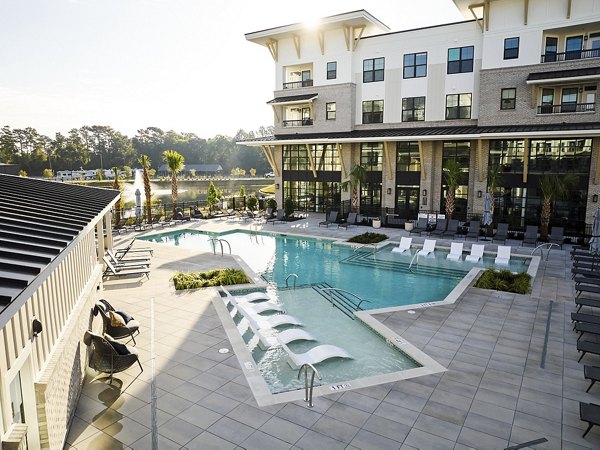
(271, 203)
(215, 277)
(252, 202)
(288, 207)
(368, 238)
(505, 280)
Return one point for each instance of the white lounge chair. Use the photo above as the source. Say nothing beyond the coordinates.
(251, 297)
(257, 307)
(405, 243)
(428, 247)
(263, 322)
(476, 253)
(315, 355)
(503, 257)
(456, 250)
(268, 339)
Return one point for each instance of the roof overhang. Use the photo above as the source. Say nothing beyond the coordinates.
(293, 100)
(354, 18)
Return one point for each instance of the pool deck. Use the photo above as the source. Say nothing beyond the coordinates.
(494, 394)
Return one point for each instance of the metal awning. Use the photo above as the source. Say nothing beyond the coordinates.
(561, 76)
(293, 99)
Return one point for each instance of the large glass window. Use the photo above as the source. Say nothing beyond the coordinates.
(508, 98)
(507, 155)
(16, 400)
(458, 106)
(560, 156)
(407, 157)
(370, 198)
(460, 59)
(550, 49)
(415, 65)
(573, 47)
(372, 111)
(459, 151)
(373, 70)
(511, 48)
(413, 109)
(332, 70)
(325, 157)
(371, 155)
(313, 195)
(330, 110)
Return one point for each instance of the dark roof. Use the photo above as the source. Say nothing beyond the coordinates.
(292, 98)
(38, 220)
(564, 73)
(196, 167)
(434, 131)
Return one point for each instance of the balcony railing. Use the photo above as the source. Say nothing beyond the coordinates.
(566, 108)
(568, 56)
(297, 84)
(297, 123)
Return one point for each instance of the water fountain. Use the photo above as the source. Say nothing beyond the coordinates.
(138, 183)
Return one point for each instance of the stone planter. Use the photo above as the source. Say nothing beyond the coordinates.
(376, 223)
(408, 226)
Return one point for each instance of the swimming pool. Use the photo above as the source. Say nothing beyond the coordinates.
(377, 275)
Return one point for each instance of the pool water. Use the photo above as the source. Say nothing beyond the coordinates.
(372, 355)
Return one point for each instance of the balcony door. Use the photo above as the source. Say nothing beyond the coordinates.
(547, 100)
(550, 49)
(568, 101)
(573, 47)
(407, 201)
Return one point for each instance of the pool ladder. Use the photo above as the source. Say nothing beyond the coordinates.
(295, 276)
(308, 389)
(545, 244)
(220, 241)
(345, 305)
(416, 257)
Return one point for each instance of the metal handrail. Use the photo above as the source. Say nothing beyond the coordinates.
(288, 277)
(549, 244)
(412, 261)
(330, 289)
(220, 241)
(308, 390)
(228, 245)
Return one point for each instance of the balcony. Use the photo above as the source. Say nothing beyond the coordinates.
(566, 108)
(298, 84)
(297, 123)
(570, 56)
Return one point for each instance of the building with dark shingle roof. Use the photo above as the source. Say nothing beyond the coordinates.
(52, 239)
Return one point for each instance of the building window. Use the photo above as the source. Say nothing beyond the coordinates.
(415, 65)
(372, 111)
(508, 98)
(408, 158)
(330, 111)
(458, 106)
(332, 70)
(373, 70)
(460, 59)
(460, 152)
(325, 157)
(413, 109)
(371, 156)
(559, 156)
(511, 48)
(507, 155)
(313, 195)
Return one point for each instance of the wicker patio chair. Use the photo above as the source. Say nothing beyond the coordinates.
(130, 329)
(109, 357)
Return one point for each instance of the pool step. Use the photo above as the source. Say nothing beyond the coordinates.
(367, 259)
(338, 299)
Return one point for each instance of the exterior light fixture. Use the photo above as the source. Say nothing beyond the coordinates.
(479, 194)
(36, 327)
(595, 198)
(424, 192)
(389, 191)
(276, 185)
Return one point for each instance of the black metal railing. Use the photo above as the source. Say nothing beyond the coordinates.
(569, 56)
(297, 84)
(297, 123)
(566, 108)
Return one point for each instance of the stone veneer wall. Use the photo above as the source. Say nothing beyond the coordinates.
(493, 80)
(59, 385)
(593, 188)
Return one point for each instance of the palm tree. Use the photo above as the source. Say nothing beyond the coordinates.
(145, 163)
(357, 175)
(553, 187)
(453, 175)
(493, 177)
(174, 163)
(117, 185)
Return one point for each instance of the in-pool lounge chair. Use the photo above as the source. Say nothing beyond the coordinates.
(112, 271)
(456, 250)
(428, 247)
(503, 256)
(251, 297)
(590, 413)
(405, 243)
(315, 355)
(330, 219)
(258, 308)
(476, 253)
(267, 322)
(268, 337)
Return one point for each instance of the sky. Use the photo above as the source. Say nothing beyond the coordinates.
(183, 65)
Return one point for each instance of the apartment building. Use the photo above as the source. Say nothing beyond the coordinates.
(513, 87)
(53, 239)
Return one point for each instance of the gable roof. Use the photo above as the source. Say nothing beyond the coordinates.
(38, 221)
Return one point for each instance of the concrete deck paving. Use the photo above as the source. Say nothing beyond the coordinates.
(495, 393)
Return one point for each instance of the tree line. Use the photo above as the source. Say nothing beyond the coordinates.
(102, 147)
